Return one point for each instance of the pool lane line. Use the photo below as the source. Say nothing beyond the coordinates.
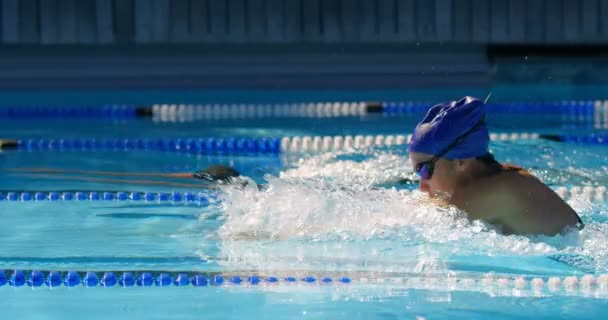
(193, 112)
(353, 142)
(201, 198)
(187, 145)
(242, 146)
(227, 145)
(108, 111)
(9, 144)
(570, 110)
(596, 110)
(87, 191)
(587, 283)
(589, 139)
(255, 145)
(595, 194)
(37, 278)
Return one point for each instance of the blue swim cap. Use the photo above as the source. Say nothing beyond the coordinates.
(446, 122)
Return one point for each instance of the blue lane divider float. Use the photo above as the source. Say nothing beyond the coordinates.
(198, 198)
(113, 111)
(593, 139)
(187, 145)
(584, 109)
(226, 145)
(231, 146)
(572, 110)
(597, 194)
(587, 283)
(88, 279)
(259, 145)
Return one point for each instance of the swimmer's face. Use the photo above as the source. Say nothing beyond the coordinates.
(445, 175)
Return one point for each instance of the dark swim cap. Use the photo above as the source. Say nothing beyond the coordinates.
(217, 173)
(446, 122)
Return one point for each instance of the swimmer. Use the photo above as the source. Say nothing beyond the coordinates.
(449, 152)
(212, 176)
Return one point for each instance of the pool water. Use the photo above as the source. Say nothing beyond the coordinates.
(337, 215)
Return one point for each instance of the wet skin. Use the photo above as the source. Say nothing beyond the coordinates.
(513, 200)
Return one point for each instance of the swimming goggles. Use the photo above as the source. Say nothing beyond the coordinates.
(425, 169)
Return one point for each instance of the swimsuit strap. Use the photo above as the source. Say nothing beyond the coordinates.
(511, 167)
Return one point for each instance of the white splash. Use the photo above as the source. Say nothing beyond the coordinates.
(381, 168)
(326, 213)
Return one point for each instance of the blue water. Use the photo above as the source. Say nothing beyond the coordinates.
(337, 214)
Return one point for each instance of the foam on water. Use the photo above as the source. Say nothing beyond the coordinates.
(342, 169)
(326, 212)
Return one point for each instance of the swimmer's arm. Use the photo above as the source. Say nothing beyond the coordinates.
(178, 175)
(117, 181)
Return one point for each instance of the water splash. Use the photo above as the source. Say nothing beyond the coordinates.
(326, 213)
(344, 168)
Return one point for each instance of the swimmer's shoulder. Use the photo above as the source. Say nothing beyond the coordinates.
(511, 179)
(481, 197)
(519, 201)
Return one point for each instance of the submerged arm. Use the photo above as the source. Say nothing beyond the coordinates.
(179, 175)
(121, 181)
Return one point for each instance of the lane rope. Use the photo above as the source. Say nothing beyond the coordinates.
(36, 278)
(229, 145)
(196, 198)
(571, 110)
(292, 144)
(91, 279)
(592, 194)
